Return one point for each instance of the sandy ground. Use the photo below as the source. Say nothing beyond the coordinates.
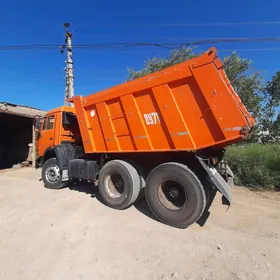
(69, 234)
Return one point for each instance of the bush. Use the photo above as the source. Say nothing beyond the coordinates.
(255, 165)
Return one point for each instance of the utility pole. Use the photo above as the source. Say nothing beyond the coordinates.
(34, 150)
(69, 70)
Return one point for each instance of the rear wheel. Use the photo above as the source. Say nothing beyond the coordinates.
(175, 195)
(142, 176)
(119, 184)
(51, 175)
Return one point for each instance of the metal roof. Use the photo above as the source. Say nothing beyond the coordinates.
(21, 110)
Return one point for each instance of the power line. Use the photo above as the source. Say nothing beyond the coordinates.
(142, 44)
(112, 36)
(184, 24)
(219, 50)
(250, 50)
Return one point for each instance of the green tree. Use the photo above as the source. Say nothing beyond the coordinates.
(247, 83)
(159, 63)
(270, 121)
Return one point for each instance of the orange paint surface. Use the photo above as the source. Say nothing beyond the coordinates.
(185, 107)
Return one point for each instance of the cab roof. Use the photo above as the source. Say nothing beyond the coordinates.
(61, 109)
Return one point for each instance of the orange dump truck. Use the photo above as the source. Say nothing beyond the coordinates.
(162, 136)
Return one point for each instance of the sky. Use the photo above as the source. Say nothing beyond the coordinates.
(36, 77)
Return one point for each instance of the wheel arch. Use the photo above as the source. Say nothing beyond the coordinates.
(49, 153)
(63, 153)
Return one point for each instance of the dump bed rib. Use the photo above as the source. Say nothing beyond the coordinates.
(186, 107)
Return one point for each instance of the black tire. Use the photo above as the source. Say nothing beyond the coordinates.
(142, 177)
(141, 195)
(175, 195)
(57, 184)
(119, 184)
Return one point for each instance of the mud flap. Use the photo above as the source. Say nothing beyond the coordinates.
(218, 181)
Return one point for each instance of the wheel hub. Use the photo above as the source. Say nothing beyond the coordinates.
(172, 195)
(53, 174)
(114, 185)
(173, 192)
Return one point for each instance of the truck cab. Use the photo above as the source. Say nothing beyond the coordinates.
(162, 136)
(58, 125)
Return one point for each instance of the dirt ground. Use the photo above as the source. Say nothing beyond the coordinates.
(69, 234)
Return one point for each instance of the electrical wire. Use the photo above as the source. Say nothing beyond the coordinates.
(179, 45)
(250, 50)
(141, 44)
(182, 24)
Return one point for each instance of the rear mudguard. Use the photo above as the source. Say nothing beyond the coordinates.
(218, 181)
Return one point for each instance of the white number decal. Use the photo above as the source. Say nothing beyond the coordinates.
(151, 118)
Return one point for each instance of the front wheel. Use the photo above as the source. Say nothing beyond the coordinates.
(51, 175)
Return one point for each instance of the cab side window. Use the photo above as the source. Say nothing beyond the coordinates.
(48, 123)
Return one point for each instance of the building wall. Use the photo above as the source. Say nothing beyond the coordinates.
(15, 135)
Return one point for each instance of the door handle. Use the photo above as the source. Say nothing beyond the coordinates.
(51, 138)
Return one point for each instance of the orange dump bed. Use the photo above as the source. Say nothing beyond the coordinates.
(185, 107)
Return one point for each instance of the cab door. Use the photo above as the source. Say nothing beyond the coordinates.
(47, 134)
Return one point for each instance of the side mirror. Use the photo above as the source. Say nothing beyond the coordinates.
(69, 120)
(37, 120)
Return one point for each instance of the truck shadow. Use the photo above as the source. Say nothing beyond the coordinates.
(84, 187)
(88, 188)
(143, 207)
